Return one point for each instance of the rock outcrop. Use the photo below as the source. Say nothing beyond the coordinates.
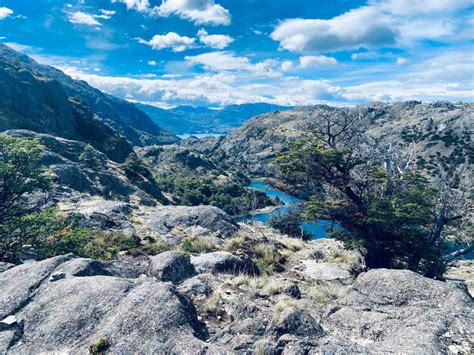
(169, 303)
(402, 312)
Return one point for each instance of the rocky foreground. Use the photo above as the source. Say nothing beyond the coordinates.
(315, 299)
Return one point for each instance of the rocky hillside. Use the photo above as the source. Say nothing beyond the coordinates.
(221, 301)
(187, 119)
(44, 99)
(436, 134)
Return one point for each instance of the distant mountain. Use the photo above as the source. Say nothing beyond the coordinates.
(188, 119)
(435, 134)
(37, 93)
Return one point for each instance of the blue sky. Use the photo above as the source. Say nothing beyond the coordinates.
(219, 52)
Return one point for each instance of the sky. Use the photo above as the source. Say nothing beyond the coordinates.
(219, 52)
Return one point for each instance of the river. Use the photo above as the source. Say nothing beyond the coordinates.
(316, 229)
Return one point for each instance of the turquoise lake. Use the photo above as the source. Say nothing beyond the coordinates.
(317, 229)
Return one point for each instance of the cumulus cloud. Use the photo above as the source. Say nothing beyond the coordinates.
(214, 89)
(362, 27)
(5, 12)
(171, 40)
(228, 61)
(81, 18)
(379, 23)
(199, 11)
(287, 65)
(151, 62)
(214, 41)
(316, 61)
(138, 5)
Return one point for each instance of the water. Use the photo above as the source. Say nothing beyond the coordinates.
(199, 135)
(317, 229)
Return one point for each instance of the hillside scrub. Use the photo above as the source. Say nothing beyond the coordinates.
(233, 198)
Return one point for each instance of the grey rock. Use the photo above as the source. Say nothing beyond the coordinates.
(295, 322)
(292, 345)
(224, 262)
(20, 283)
(314, 270)
(401, 311)
(8, 323)
(5, 266)
(57, 275)
(199, 285)
(171, 266)
(125, 311)
(205, 220)
(291, 289)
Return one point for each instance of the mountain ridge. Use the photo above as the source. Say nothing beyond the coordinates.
(121, 115)
(202, 120)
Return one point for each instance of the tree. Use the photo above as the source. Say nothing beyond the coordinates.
(91, 158)
(370, 188)
(289, 223)
(20, 175)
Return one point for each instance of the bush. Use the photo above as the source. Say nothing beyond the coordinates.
(289, 224)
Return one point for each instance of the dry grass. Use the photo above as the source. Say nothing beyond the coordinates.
(324, 294)
(235, 244)
(267, 258)
(287, 303)
(292, 244)
(197, 245)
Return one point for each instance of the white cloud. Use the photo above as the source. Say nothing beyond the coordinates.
(287, 65)
(170, 40)
(199, 11)
(151, 62)
(138, 5)
(316, 61)
(380, 23)
(420, 7)
(401, 61)
(228, 61)
(81, 18)
(105, 14)
(5, 12)
(214, 89)
(220, 61)
(362, 27)
(214, 41)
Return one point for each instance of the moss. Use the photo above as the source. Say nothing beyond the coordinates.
(99, 346)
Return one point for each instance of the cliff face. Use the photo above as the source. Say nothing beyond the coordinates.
(39, 97)
(434, 133)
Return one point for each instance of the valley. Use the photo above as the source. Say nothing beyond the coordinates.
(118, 236)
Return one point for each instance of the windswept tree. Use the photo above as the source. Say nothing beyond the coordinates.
(398, 217)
